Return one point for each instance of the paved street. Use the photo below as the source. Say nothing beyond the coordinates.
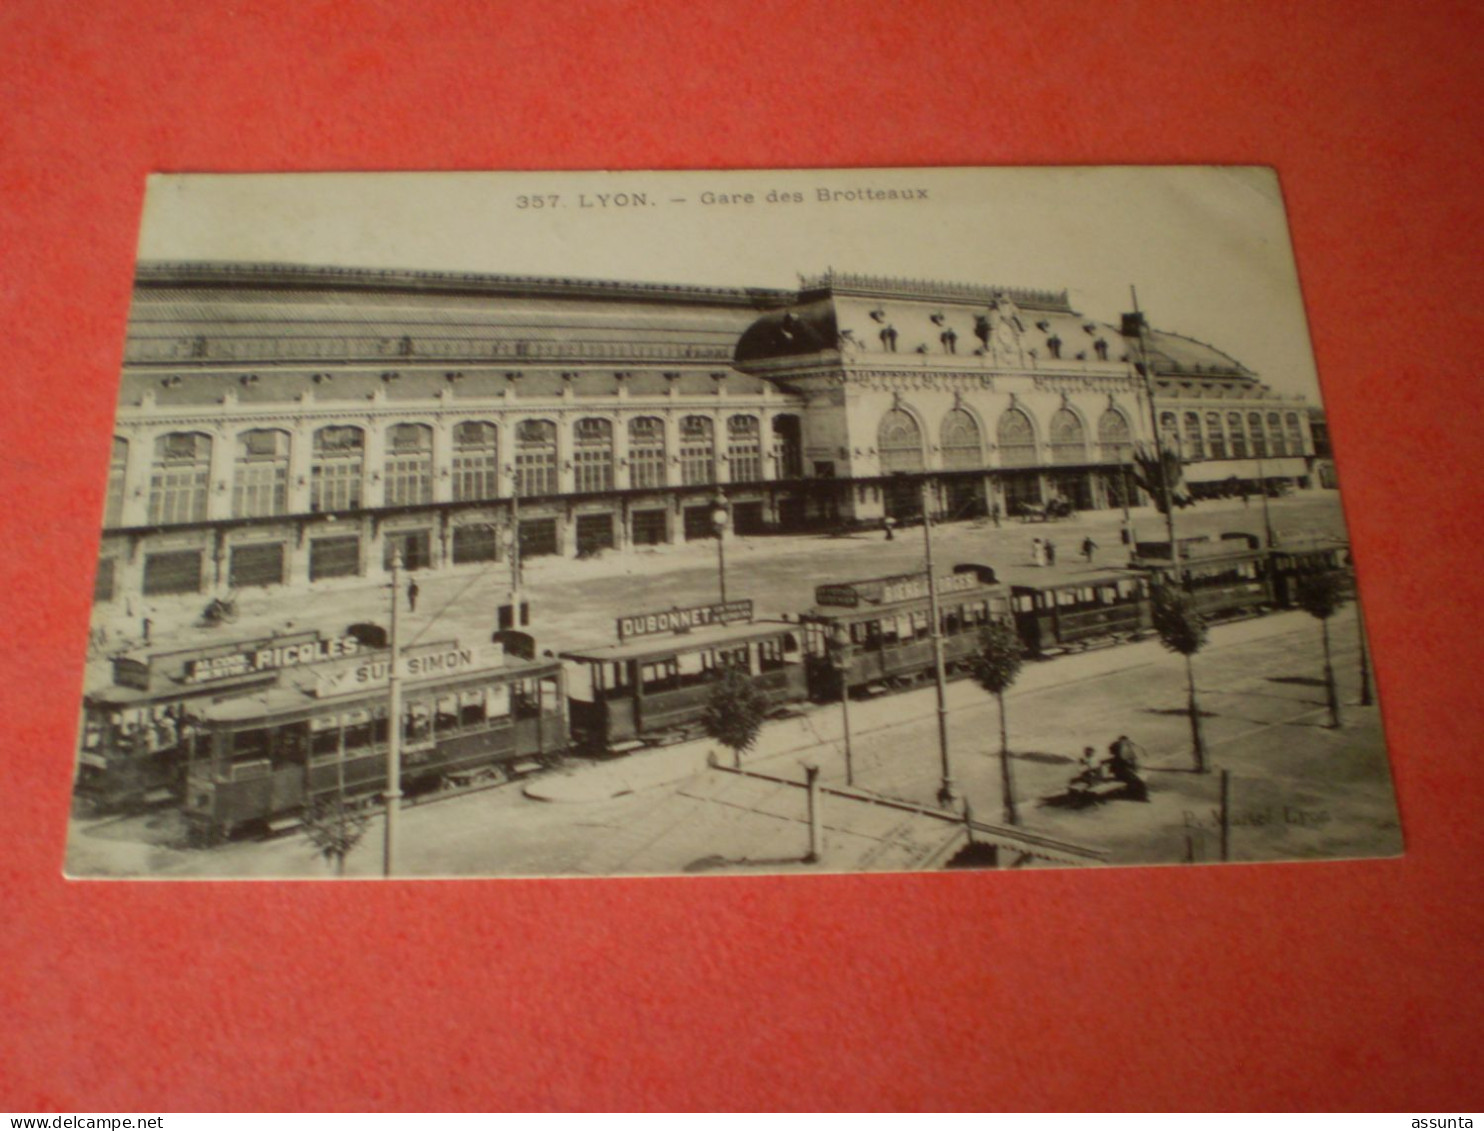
(1300, 790)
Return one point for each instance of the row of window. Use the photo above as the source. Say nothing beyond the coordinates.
(1214, 435)
(899, 439)
(180, 471)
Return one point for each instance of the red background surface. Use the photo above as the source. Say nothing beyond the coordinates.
(1330, 985)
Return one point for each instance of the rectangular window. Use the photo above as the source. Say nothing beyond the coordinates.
(334, 557)
(175, 571)
(103, 580)
(256, 565)
(538, 538)
(650, 527)
(698, 523)
(594, 533)
(475, 544)
(415, 547)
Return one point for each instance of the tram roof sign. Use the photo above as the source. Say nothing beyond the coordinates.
(679, 620)
(902, 587)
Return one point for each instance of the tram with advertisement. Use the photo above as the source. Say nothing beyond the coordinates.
(876, 634)
(1229, 577)
(1107, 607)
(652, 686)
(133, 733)
(468, 712)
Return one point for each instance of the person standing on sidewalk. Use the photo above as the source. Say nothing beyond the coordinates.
(1050, 552)
(412, 592)
(1089, 547)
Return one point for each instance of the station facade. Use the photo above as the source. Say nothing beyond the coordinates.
(293, 426)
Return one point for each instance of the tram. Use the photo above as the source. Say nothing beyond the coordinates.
(876, 634)
(1292, 560)
(1107, 607)
(131, 747)
(262, 759)
(652, 686)
(1229, 577)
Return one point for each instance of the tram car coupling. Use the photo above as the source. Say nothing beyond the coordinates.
(261, 760)
(875, 635)
(1229, 577)
(651, 687)
(134, 732)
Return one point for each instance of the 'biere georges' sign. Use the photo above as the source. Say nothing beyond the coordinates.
(683, 620)
(889, 590)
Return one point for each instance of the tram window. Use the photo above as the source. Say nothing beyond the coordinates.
(446, 713)
(860, 632)
(418, 722)
(497, 701)
(1024, 603)
(523, 697)
(661, 676)
(290, 742)
(551, 695)
(358, 730)
(953, 620)
(379, 728)
(616, 675)
(324, 739)
(471, 707)
(920, 626)
(769, 655)
(692, 666)
(250, 744)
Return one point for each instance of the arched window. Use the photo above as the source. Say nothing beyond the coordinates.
(1194, 448)
(1016, 437)
(337, 469)
(697, 451)
(1238, 435)
(899, 442)
(409, 464)
(118, 466)
(476, 460)
(646, 452)
(1275, 435)
(744, 448)
(1115, 438)
(1215, 435)
(260, 474)
(180, 477)
(1068, 437)
(1295, 434)
(963, 447)
(535, 458)
(592, 454)
(1259, 441)
(789, 439)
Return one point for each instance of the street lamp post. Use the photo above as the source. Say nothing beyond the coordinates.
(839, 649)
(947, 791)
(393, 734)
(719, 518)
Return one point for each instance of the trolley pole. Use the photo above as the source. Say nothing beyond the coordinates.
(1159, 448)
(947, 792)
(393, 735)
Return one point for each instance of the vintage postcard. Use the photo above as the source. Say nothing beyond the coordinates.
(604, 524)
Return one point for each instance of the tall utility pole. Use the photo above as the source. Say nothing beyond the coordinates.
(515, 546)
(393, 733)
(1262, 486)
(1159, 449)
(719, 522)
(947, 792)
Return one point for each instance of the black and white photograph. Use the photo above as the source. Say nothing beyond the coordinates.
(479, 525)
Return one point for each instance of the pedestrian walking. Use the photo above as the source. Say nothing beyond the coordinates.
(146, 627)
(1038, 552)
(1089, 547)
(1050, 552)
(887, 524)
(412, 592)
(994, 513)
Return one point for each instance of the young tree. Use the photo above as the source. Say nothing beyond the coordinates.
(1322, 595)
(734, 712)
(333, 826)
(1154, 470)
(1182, 629)
(995, 666)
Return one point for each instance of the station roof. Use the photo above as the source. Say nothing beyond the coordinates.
(695, 640)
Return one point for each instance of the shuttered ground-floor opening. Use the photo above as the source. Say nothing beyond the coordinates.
(1022, 487)
(650, 527)
(791, 514)
(103, 580)
(255, 565)
(414, 546)
(538, 537)
(965, 498)
(1075, 487)
(748, 518)
(334, 557)
(173, 571)
(475, 544)
(698, 523)
(594, 533)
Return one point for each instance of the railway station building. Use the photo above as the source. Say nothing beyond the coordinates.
(294, 426)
